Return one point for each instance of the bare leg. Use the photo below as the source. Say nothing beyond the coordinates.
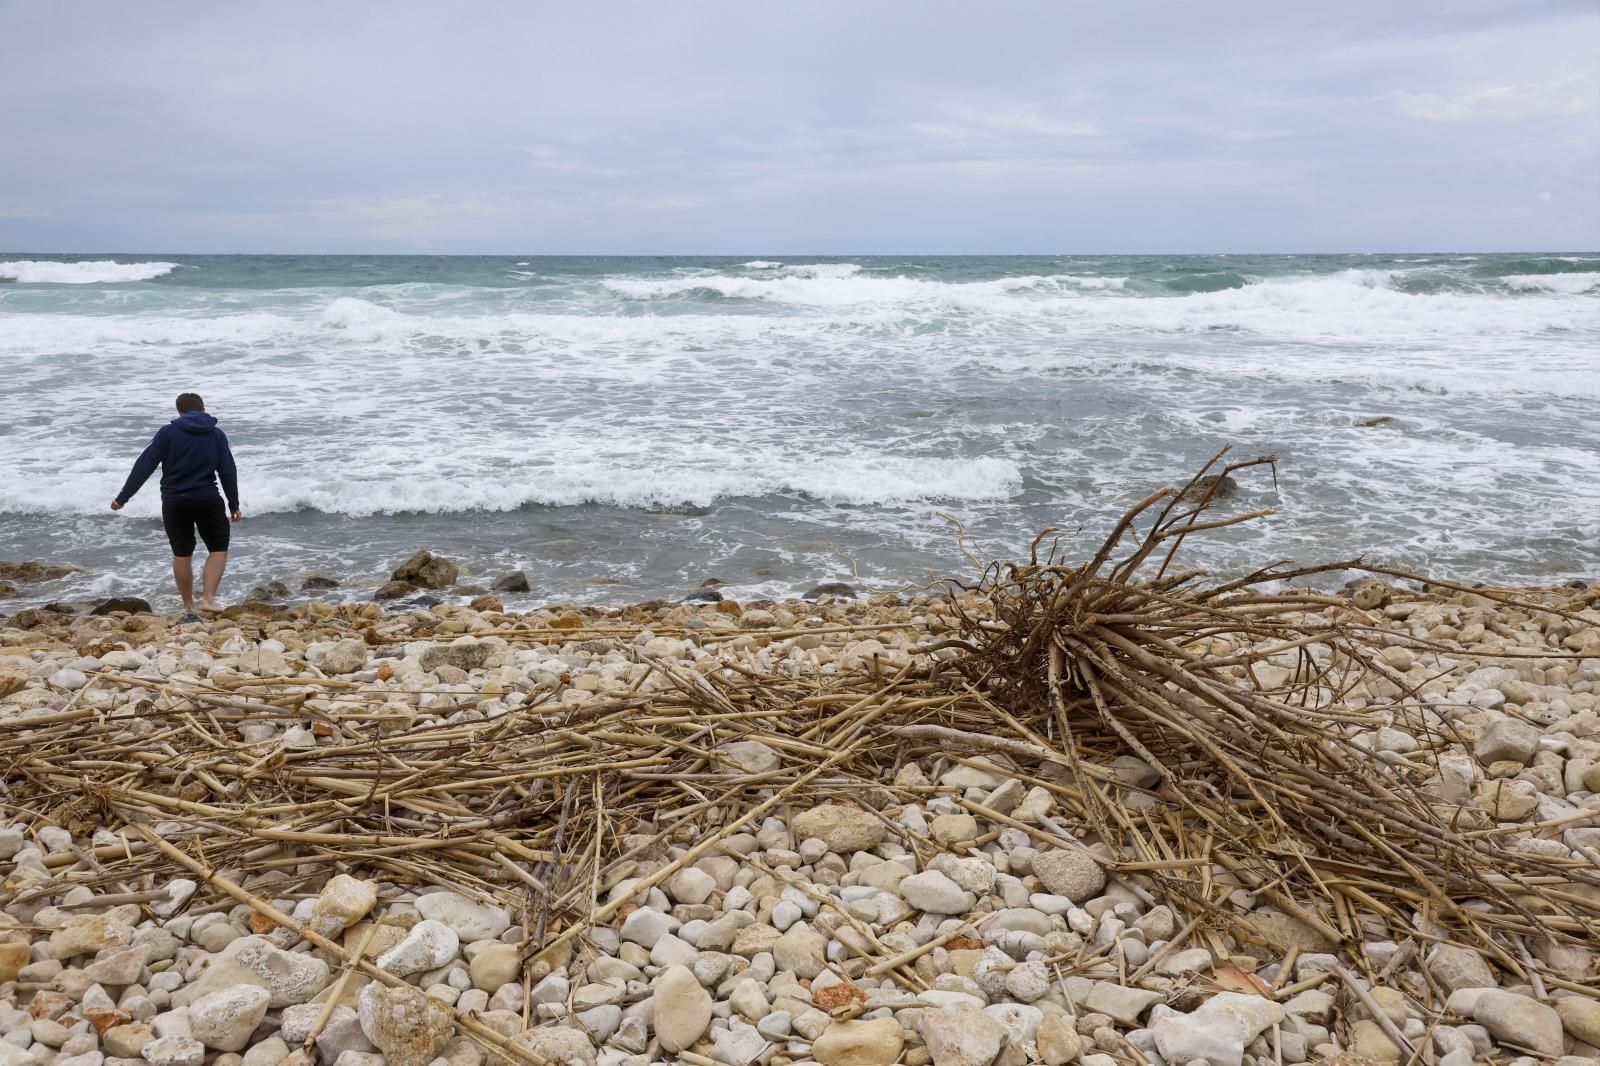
(184, 575)
(216, 562)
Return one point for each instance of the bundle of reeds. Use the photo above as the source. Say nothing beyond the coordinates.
(1205, 737)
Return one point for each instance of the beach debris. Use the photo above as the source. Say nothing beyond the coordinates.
(1100, 809)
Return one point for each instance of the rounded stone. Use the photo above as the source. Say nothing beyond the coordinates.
(1069, 873)
(223, 1021)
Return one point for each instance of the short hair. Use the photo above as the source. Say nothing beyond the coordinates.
(190, 401)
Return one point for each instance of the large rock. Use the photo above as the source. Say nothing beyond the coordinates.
(1507, 801)
(428, 946)
(127, 604)
(407, 1026)
(843, 828)
(495, 965)
(287, 977)
(345, 657)
(13, 957)
(933, 892)
(27, 573)
(961, 1036)
(1218, 1031)
(751, 756)
(1283, 931)
(223, 1021)
(1210, 487)
(1070, 873)
(801, 952)
(466, 653)
(516, 581)
(1058, 1041)
(877, 1042)
(559, 1045)
(1507, 739)
(174, 1051)
(682, 1009)
(341, 1035)
(737, 1045)
(88, 933)
(118, 968)
(1455, 967)
(1520, 1020)
(268, 592)
(126, 1041)
(428, 570)
(1120, 1002)
(343, 902)
(1581, 1016)
(471, 921)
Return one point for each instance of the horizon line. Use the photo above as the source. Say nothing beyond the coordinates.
(813, 254)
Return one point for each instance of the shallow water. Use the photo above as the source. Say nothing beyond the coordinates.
(625, 428)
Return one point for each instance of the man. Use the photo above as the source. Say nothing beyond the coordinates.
(192, 453)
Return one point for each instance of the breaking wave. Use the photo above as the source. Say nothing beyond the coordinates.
(1574, 283)
(89, 272)
(851, 478)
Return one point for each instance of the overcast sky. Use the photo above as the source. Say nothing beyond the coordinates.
(749, 127)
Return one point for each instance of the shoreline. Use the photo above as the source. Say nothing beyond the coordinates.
(972, 840)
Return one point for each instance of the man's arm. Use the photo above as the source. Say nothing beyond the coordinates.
(227, 473)
(143, 467)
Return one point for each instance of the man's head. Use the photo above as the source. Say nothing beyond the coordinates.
(190, 401)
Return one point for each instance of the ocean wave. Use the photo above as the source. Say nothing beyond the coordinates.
(1572, 283)
(1211, 281)
(761, 264)
(838, 285)
(846, 478)
(51, 272)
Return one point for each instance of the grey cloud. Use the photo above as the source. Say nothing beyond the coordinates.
(766, 127)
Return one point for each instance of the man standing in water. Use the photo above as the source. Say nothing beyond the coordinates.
(193, 454)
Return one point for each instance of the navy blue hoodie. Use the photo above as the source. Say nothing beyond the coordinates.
(192, 453)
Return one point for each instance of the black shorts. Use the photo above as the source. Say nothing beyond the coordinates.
(183, 517)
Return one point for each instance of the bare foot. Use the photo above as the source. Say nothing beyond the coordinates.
(210, 605)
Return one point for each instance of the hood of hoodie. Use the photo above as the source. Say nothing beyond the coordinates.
(195, 422)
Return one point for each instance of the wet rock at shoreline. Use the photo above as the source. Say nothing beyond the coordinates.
(127, 604)
(33, 572)
(426, 570)
(1214, 486)
(516, 581)
(318, 582)
(268, 592)
(836, 589)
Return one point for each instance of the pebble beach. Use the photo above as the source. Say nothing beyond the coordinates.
(886, 925)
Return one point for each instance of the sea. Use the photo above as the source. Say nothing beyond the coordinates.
(628, 428)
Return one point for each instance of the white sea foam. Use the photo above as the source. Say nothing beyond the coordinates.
(45, 271)
(761, 264)
(841, 285)
(796, 402)
(392, 483)
(1576, 282)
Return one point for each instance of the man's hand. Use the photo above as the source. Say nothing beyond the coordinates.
(116, 505)
(237, 516)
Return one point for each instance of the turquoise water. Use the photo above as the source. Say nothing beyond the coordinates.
(627, 427)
